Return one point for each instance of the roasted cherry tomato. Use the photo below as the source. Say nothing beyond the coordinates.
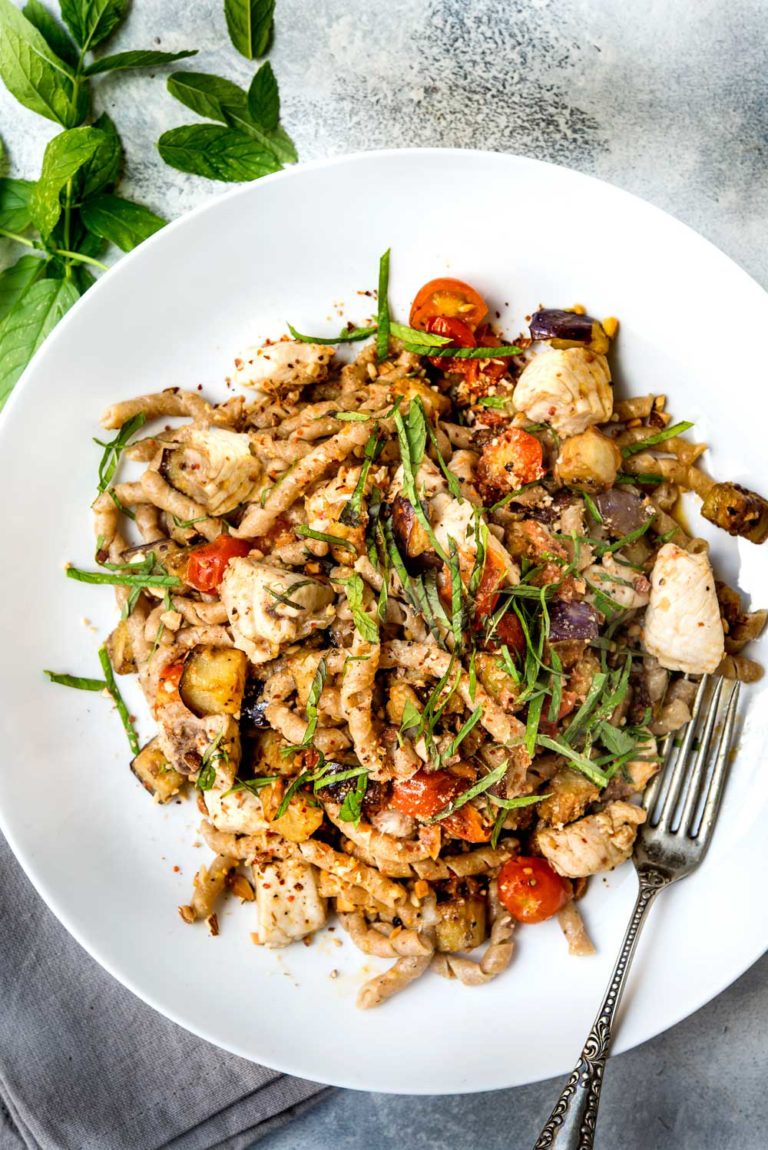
(168, 684)
(207, 564)
(487, 596)
(530, 890)
(451, 298)
(427, 792)
(460, 335)
(509, 633)
(492, 369)
(510, 460)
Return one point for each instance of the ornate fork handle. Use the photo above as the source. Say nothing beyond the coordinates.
(571, 1125)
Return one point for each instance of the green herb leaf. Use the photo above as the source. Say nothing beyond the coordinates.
(615, 739)
(352, 807)
(504, 352)
(411, 719)
(76, 681)
(351, 512)
(117, 698)
(352, 416)
(324, 537)
(249, 23)
(15, 215)
(277, 142)
(304, 777)
(264, 98)
(122, 61)
(52, 32)
(494, 776)
(326, 774)
(34, 74)
(517, 802)
(64, 156)
(219, 153)
(114, 448)
(253, 785)
(650, 479)
(453, 484)
(282, 595)
(466, 727)
(213, 754)
(367, 627)
(15, 281)
(315, 691)
(102, 171)
(118, 579)
(33, 317)
(532, 724)
(206, 94)
(580, 762)
(413, 335)
(119, 221)
(353, 335)
(592, 507)
(382, 335)
(497, 402)
(91, 22)
(655, 440)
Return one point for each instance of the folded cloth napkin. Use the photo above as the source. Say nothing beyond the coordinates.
(84, 1065)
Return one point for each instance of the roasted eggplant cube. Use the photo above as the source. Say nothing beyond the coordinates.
(213, 680)
(569, 329)
(120, 650)
(155, 774)
(738, 511)
(462, 922)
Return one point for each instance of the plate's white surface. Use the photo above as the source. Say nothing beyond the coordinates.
(175, 313)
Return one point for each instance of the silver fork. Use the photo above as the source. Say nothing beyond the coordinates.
(682, 804)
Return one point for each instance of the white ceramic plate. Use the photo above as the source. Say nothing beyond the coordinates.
(175, 313)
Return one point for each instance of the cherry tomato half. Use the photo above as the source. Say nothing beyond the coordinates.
(460, 335)
(530, 890)
(451, 298)
(511, 459)
(427, 792)
(207, 564)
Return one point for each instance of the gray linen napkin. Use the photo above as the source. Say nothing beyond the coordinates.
(84, 1065)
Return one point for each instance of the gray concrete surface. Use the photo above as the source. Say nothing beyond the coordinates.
(666, 98)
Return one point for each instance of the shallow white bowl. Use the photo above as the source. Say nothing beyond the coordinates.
(175, 313)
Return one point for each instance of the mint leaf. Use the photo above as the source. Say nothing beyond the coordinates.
(15, 280)
(120, 221)
(26, 326)
(218, 153)
(51, 30)
(121, 61)
(278, 142)
(102, 171)
(14, 205)
(34, 74)
(249, 23)
(264, 98)
(206, 94)
(93, 21)
(64, 156)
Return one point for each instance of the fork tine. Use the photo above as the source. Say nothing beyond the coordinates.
(704, 758)
(651, 792)
(720, 773)
(677, 775)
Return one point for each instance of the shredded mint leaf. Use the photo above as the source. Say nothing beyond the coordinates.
(324, 537)
(352, 807)
(413, 335)
(351, 335)
(655, 440)
(382, 335)
(365, 625)
(118, 700)
(77, 681)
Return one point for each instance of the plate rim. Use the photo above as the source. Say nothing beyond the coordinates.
(355, 1080)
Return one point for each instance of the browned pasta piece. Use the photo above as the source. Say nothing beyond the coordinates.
(356, 702)
(245, 848)
(395, 943)
(291, 726)
(480, 861)
(464, 437)
(353, 871)
(739, 667)
(575, 931)
(390, 869)
(199, 614)
(384, 986)
(148, 523)
(208, 885)
(498, 953)
(698, 481)
(155, 490)
(379, 845)
(258, 520)
(636, 407)
(173, 401)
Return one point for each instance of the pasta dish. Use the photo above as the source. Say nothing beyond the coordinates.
(414, 624)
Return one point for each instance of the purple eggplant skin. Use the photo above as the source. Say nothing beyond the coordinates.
(554, 323)
(572, 621)
(621, 511)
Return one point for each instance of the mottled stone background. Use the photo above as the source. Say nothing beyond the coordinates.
(666, 98)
